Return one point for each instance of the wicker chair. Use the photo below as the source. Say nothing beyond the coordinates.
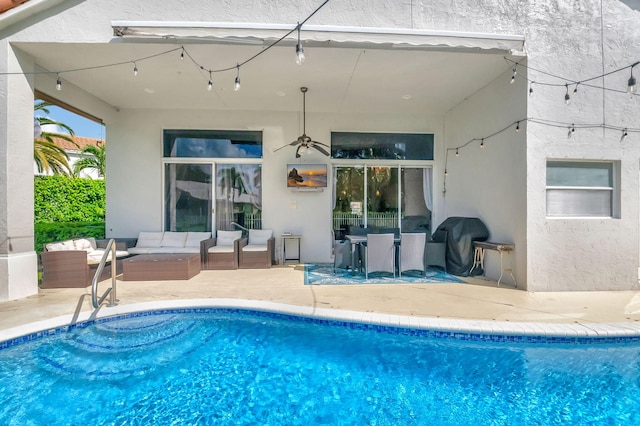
(412, 252)
(259, 252)
(223, 252)
(380, 254)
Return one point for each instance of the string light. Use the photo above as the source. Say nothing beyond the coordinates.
(567, 98)
(135, 69)
(631, 85)
(571, 127)
(210, 84)
(513, 77)
(518, 127)
(58, 83)
(299, 50)
(236, 85)
(182, 55)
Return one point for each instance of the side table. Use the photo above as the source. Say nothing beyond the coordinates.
(286, 236)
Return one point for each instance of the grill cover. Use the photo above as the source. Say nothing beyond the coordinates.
(461, 232)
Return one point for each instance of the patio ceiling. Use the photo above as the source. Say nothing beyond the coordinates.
(366, 79)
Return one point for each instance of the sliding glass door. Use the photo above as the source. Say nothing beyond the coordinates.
(191, 188)
(238, 196)
(382, 196)
(187, 198)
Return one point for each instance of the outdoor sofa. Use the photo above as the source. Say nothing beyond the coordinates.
(172, 242)
(73, 263)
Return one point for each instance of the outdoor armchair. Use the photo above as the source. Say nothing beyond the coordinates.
(259, 251)
(223, 252)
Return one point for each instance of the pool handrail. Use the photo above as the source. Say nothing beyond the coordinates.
(111, 248)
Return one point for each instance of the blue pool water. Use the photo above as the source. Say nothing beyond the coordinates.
(235, 367)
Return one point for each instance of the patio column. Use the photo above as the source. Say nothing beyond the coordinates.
(18, 260)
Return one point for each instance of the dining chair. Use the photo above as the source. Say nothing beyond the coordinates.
(436, 250)
(412, 252)
(380, 254)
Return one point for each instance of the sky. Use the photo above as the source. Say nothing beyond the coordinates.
(80, 125)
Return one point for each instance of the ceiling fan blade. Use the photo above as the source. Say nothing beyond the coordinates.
(294, 143)
(321, 149)
(320, 143)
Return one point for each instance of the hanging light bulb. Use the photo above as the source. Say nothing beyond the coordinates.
(299, 50)
(531, 89)
(210, 85)
(631, 85)
(517, 127)
(135, 69)
(572, 130)
(236, 85)
(567, 98)
(457, 153)
(513, 76)
(182, 55)
(575, 90)
(58, 83)
(624, 135)
(482, 143)
(445, 172)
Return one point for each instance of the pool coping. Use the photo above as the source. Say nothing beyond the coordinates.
(380, 319)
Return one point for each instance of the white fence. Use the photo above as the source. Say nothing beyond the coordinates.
(381, 220)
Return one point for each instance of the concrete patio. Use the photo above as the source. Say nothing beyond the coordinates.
(479, 299)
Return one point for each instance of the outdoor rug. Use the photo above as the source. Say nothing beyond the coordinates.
(322, 274)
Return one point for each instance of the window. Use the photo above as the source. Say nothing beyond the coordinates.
(382, 146)
(212, 144)
(581, 189)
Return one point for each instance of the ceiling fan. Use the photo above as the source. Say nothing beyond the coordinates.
(304, 142)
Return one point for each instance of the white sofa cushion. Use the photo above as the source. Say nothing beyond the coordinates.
(182, 250)
(194, 238)
(173, 239)
(61, 245)
(95, 256)
(221, 249)
(259, 236)
(149, 239)
(255, 247)
(142, 250)
(86, 244)
(226, 238)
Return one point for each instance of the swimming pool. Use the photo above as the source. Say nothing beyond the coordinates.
(230, 366)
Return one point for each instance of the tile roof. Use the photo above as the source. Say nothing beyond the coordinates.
(81, 141)
(10, 4)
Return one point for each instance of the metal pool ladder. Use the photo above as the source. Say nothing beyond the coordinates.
(111, 248)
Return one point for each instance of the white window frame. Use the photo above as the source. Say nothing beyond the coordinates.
(614, 189)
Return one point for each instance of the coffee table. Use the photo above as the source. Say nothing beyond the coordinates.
(155, 267)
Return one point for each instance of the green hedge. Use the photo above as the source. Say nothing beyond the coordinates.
(67, 199)
(49, 232)
(67, 207)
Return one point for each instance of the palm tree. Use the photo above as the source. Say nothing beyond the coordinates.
(93, 157)
(48, 156)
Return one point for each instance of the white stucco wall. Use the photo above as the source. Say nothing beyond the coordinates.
(488, 182)
(135, 187)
